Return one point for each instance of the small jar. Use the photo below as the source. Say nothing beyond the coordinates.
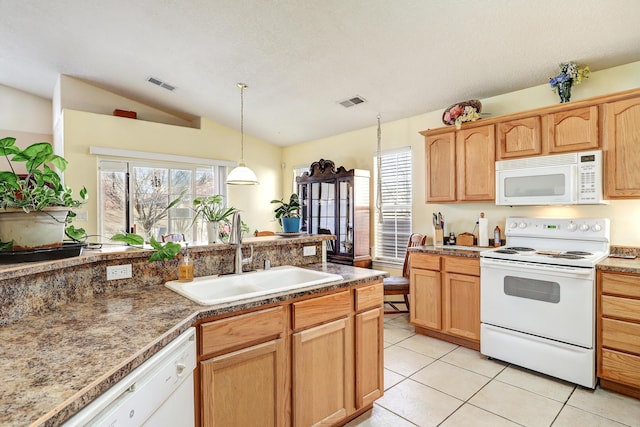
(185, 268)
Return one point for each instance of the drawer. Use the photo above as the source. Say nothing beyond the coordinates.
(462, 265)
(427, 262)
(236, 331)
(621, 335)
(369, 296)
(623, 308)
(621, 284)
(620, 367)
(321, 309)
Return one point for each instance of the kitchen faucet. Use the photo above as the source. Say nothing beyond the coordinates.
(236, 239)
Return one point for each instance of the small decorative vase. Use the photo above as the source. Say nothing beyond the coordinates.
(564, 90)
(291, 225)
(213, 232)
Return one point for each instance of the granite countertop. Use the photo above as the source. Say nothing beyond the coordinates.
(54, 364)
(463, 251)
(620, 265)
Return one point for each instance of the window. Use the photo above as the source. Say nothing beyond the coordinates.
(392, 235)
(298, 171)
(141, 194)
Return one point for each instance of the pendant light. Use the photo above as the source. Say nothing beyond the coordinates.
(242, 175)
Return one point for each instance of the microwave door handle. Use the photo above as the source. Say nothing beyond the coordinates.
(527, 266)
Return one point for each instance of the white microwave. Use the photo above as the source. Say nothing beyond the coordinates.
(562, 179)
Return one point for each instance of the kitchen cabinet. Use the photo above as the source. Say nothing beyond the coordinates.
(519, 138)
(313, 360)
(445, 297)
(336, 201)
(573, 130)
(460, 165)
(618, 332)
(621, 142)
(243, 371)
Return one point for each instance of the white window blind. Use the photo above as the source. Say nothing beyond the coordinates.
(392, 235)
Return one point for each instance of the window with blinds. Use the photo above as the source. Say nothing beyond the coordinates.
(392, 234)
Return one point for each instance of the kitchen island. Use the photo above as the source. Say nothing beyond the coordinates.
(59, 357)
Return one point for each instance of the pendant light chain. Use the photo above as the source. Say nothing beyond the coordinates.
(242, 87)
(379, 176)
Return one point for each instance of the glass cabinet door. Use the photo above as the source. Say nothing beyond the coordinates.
(322, 211)
(345, 217)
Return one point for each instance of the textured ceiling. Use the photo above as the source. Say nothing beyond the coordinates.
(301, 57)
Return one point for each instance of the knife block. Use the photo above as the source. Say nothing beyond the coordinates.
(438, 236)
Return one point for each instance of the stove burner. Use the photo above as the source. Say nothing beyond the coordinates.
(520, 249)
(566, 255)
(506, 251)
(578, 253)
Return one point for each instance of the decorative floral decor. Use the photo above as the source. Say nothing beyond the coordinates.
(569, 74)
(467, 111)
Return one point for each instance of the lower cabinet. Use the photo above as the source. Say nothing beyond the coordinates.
(315, 361)
(618, 332)
(445, 297)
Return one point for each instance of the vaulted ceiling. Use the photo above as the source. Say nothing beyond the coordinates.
(300, 58)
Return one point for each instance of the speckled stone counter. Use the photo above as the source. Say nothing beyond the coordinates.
(450, 250)
(620, 264)
(54, 363)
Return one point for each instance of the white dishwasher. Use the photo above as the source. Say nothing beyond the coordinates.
(158, 393)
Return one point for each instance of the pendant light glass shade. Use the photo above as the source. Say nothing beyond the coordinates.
(241, 174)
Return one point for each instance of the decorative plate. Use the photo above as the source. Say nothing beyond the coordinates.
(291, 234)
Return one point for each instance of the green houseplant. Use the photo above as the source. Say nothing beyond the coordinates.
(212, 211)
(288, 214)
(37, 193)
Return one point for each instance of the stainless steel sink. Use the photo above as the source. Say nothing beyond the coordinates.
(210, 290)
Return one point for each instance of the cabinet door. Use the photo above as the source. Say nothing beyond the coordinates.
(323, 375)
(573, 130)
(461, 305)
(476, 155)
(622, 139)
(441, 167)
(519, 138)
(425, 298)
(246, 387)
(369, 348)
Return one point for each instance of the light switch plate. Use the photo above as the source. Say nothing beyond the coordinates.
(115, 272)
(308, 250)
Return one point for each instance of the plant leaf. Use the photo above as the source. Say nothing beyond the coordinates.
(129, 238)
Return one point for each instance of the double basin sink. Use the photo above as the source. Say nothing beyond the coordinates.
(210, 290)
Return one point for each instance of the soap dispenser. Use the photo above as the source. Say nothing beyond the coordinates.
(185, 267)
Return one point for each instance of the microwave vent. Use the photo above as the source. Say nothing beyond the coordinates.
(536, 162)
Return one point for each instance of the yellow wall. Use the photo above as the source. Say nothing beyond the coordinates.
(356, 150)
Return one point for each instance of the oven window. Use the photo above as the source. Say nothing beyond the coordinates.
(535, 185)
(540, 290)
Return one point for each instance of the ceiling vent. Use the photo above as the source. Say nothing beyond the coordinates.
(352, 101)
(160, 83)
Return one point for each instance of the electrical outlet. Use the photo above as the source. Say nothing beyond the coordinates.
(115, 272)
(308, 250)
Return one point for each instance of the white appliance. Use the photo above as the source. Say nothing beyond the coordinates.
(562, 179)
(159, 393)
(537, 296)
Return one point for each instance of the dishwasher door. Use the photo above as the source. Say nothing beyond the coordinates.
(158, 393)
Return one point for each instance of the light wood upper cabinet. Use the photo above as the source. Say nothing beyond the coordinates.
(441, 167)
(621, 143)
(460, 165)
(519, 138)
(573, 130)
(475, 157)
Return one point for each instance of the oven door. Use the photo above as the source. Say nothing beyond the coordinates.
(549, 185)
(554, 302)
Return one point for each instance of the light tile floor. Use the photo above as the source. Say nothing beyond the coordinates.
(429, 382)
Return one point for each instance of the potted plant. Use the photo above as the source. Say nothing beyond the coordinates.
(288, 214)
(212, 210)
(35, 205)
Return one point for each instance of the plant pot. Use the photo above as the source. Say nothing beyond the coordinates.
(213, 232)
(291, 225)
(33, 230)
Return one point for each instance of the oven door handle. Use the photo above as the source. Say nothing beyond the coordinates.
(528, 266)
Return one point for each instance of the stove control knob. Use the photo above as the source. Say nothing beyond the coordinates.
(572, 226)
(596, 227)
(522, 225)
(513, 225)
(585, 227)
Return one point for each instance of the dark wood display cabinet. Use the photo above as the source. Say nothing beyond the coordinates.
(337, 202)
